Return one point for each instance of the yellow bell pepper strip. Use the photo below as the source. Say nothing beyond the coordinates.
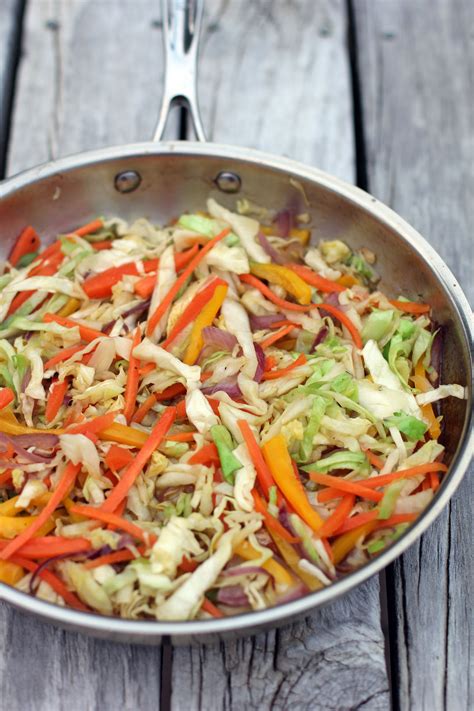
(348, 280)
(10, 573)
(205, 318)
(343, 545)
(277, 571)
(280, 463)
(11, 526)
(69, 307)
(302, 235)
(9, 507)
(282, 276)
(291, 558)
(423, 384)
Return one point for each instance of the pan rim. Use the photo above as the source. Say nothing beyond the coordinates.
(124, 629)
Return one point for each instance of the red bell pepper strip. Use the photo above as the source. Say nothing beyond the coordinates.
(28, 241)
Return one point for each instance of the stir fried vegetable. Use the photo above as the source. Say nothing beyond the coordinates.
(207, 417)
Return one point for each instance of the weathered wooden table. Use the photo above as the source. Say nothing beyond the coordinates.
(379, 92)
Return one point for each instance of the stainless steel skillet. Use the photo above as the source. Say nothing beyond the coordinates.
(162, 179)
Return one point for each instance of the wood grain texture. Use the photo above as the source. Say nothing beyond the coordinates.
(10, 17)
(274, 75)
(91, 76)
(290, 97)
(416, 64)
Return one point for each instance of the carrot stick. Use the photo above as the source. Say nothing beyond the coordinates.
(97, 424)
(161, 309)
(63, 355)
(434, 480)
(396, 519)
(6, 397)
(329, 494)
(181, 437)
(53, 581)
(131, 387)
(193, 309)
(207, 455)
(345, 320)
(373, 459)
(264, 476)
(344, 485)
(28, 241)
(268, 293)
(117, 521)
(67, 481)
(270, 521)
(270, 363)
(410, 307)
(55, 399)
(166, 394)
(211, 609)
(5, 477)
(270, 340)
(384, 479)
(49, 546)
(105, 244)
(87, 334)
(145, 286)
(310, 277)
(111, 558)
(89, 228)
(273, 375)
(339, 515)
(134, 468)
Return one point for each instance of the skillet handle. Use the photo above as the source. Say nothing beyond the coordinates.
(181, 29)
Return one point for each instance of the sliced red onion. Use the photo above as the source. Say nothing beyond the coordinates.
(233, 596)
(244, 570)
(23, 453)
(333, 300)
(321, 335)
(138, 309)
(229, 386)
(269, 249)
(284, 221)
(224, 340)
(42, 441)
(26, 379)
(260, 363)
(258, 323)
(45, 564)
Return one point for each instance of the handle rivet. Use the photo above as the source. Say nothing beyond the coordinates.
(128, 181)
(228, 182)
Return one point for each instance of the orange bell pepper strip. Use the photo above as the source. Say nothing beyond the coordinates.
(292, 559)
(10, 573)
(204, 319)
(268, 293)
(27, 242)
(280, 464)
(277, 571)
(284, 277)
(422, 383)
(343, 545)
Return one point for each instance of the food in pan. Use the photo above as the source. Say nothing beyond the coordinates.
(209, 417)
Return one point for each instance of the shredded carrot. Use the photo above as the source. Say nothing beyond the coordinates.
(210, 608)
(144, 287)
(112, 558)
(373, 459)
(345, 320)
(187, 565)
(284, 322)
(55, 399)
(87, 334)
(6, 397)
(53, 581)
(273, 375)
(105, 244)
(434, 480)
(134, 468)
(49, 546)
(384, 479)
(131, 387)
(182, 437)
(310, 277)
(94, 426)
(270, 340)
(167, 394)
(67, 480)
(344, 485)
(270, 363)
(89, 228)
(207, 455)
(117, 521)
(27, 242)
(264, 475)
(63, 355)
(338, 516)
(155, 318)
(117, 458)
(40, 270)
(268, 293)
(270, 521)
(410, 307)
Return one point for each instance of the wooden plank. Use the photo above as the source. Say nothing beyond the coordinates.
(261, 88)
(10, 17)
(91, 75)
(415, 63)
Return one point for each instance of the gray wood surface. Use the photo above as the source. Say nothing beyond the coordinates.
(10, 18)
(416, 68)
